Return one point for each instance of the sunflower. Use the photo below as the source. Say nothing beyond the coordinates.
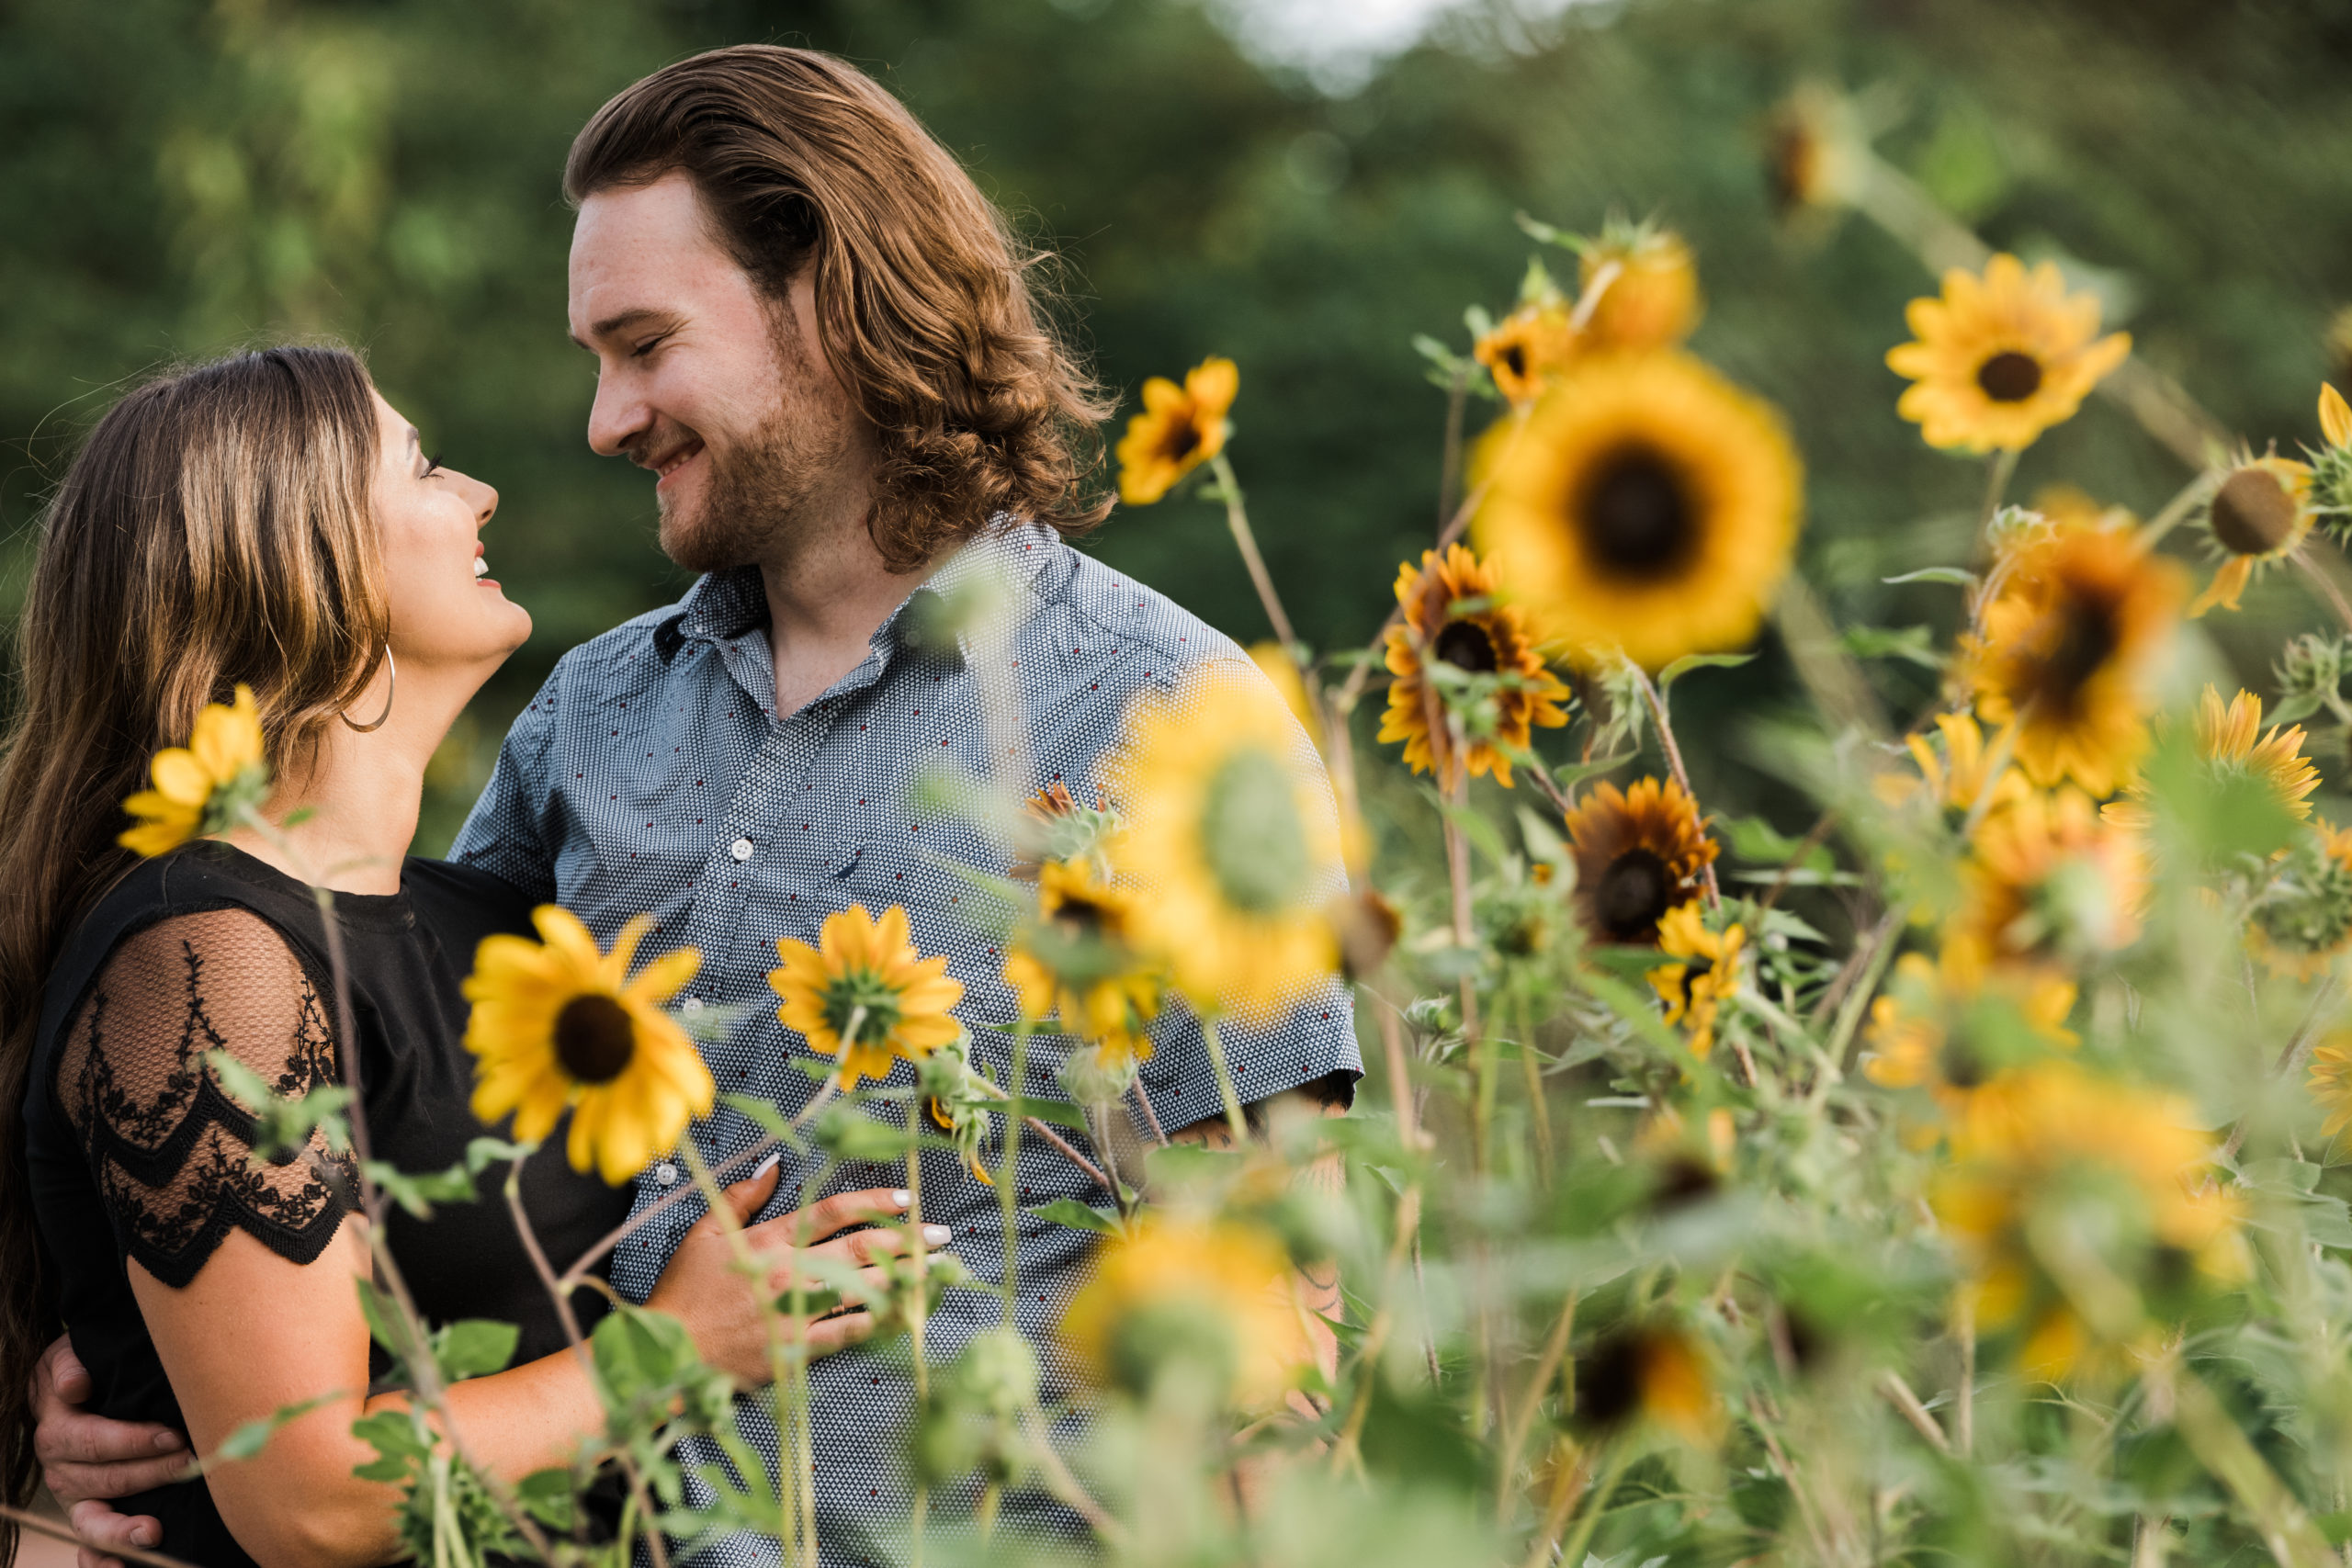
(1650, 299)
(2002, 357)
(2052, 1134)
(1705, 969)
(1225, 835)
(2329, 494)
(2302, 922)
(1076, 963)
(2331, 1082)
(2066, 648)
(1816, 156)
(1450, 611)
(1527, 349)
(1911, 1040)
(2261, 512)
(1180, 429)
(1646, 504)
(1957, 779)
(556, 1023)
(2230, 740)
(1651, 1372)
(1191, 1297)
(199, 787)
(864, 994)
(1639, 854)
(2048, 880)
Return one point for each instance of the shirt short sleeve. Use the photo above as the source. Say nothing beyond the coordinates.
(507, 833)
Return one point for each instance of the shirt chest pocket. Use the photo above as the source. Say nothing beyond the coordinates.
(951, 890)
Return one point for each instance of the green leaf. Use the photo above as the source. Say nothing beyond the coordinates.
(250, 1438)
(547, 1497)
(1914, 644)
(1078, 1216)
(1570, 774)
(848, 1133)
(1958, 576)
(639, 1351)
(473, 1347)
(1690, 662)
(418, 1193)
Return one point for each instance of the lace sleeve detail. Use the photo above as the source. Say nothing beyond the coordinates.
(169, 1146)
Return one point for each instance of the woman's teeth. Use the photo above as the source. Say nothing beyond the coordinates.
(481, 567)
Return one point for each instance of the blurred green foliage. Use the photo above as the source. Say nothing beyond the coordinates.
(184, 177)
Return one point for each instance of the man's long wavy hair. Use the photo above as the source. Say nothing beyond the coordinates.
(924, 302)
(216, 527)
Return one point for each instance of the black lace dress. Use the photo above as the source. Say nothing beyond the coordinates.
(137, 1151)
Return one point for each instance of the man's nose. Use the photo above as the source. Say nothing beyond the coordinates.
(618, 417)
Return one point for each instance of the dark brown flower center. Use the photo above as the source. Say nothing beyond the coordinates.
(1609, 1381)
(2087, 638)
(1081, 917)
(1515, 360)
(1637, 518)
(2009, 376)
(2252, 515)
(1183, 440)
(1635, 890)
(1466, 645)
(594, 1039)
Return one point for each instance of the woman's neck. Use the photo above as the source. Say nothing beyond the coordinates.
(345, 821)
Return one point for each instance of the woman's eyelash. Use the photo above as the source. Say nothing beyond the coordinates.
(431, 466)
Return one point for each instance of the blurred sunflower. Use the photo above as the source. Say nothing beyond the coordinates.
(1451, 612)
(1526, 350)
(2053, 1135)
(198, 787)
(1194, 1298)
(1229, 848)
(1639, 854)
(2302, 922)
(1180, 429)
(865, 994)
(1647, 505)
(1651, 1372)
(2331, 1082)
(2230, 740)
(2071, 506)
(556, 1023)
(1816, 156)
(2261, 512)
(1956, 779)
(2000, 358)
(2066, 648)
(1077, 965)
(1703, 970)
(2048, 880)
(1650, 297)
(1910, 1034)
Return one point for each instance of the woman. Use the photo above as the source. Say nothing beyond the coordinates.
(269, 520)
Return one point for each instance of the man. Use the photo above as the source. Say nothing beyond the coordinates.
(813, 327)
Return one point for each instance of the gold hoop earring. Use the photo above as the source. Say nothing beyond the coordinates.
(391, 689)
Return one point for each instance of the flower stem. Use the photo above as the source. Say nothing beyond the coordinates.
(1621, 1454)
(1237, 518)
(1007, 1179)
(1656, 701)
(917, 1309)
(1997, 474)
(1225, 1088)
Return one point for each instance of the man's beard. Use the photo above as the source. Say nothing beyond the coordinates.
(757, 498)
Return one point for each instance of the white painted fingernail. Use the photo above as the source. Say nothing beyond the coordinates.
(938, 1235)
(767, 1164)
(901, 1198)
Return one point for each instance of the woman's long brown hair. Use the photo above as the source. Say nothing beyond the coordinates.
(215, 528)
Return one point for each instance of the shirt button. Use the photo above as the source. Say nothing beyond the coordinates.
(741, 848)
(691, 1004)
(666, 1174)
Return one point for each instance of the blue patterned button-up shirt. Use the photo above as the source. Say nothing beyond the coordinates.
(652, 774)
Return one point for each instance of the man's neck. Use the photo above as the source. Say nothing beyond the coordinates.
(824, 604)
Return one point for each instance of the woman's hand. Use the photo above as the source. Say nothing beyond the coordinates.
(704, 1289)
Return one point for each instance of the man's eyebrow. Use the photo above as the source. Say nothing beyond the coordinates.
(621, 323)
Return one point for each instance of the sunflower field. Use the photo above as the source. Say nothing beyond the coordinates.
(1942, 1173)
